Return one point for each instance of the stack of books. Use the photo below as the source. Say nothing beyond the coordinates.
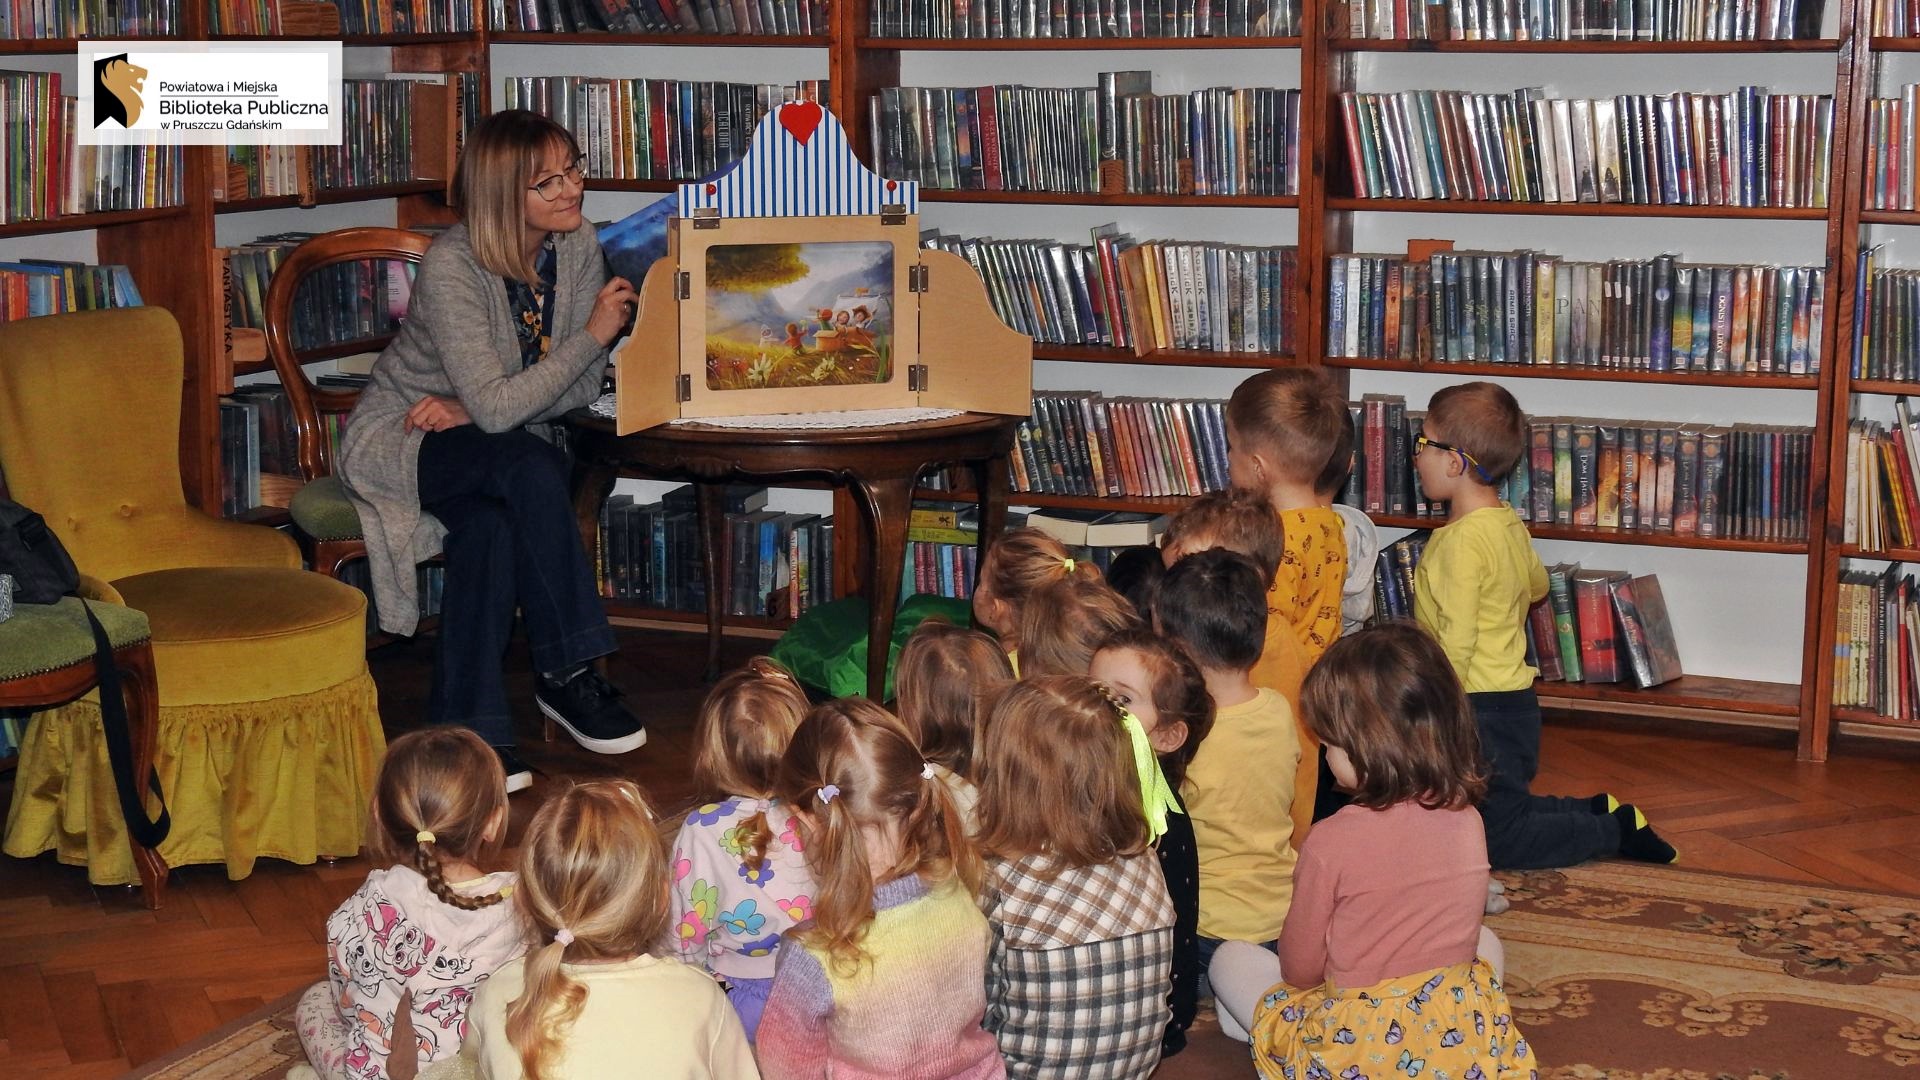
(656, 129)
(1883, 483)
(1877, 643)
(46, 287)
(1524, 307)
(778, 565)
(1745, 148)
(1084, 443)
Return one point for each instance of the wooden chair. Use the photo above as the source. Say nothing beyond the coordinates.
(325, 522)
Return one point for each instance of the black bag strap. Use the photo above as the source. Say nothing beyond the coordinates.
(113, 720)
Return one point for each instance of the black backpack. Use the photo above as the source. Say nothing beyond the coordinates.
(42, 573)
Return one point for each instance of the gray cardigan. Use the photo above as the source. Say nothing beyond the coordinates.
(458, 341)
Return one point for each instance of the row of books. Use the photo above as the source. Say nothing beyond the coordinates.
(1596, 626)
(1876, 648)
(266, 171)
(939, 568)
(1883, 483)
(778, 565)
(21, 19)
(1116, 137)
(332, 18)
(746, 17)
(429, 584)
(1891, 170)
(260, 448)
(33, 287)
(656, 129)
(1085, 443)
(377, 116)
(1122, 293)
(1748, 481)
(345, 302)
(1080, 19)
(1894, 18)
(1745, 148)
(1886, 321)
(1584, 20)
(47, 173)
(1524, 307)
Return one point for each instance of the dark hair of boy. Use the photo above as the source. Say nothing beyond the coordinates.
(1241, 521)
(1135, 573)
(1298, 418)
(1483, 419)
(1389, 697)
(1214, 603)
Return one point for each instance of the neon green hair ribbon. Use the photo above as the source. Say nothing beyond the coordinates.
(1156, 797)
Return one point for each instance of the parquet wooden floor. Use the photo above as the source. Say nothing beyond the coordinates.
(91, 982)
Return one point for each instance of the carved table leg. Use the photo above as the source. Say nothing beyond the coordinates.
(990, 486)
(141, 692)
(887, 504)
(713, 549)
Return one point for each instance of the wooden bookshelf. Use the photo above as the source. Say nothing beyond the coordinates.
(1890, 217)
(105, 219)
(1691, 692)
(1892, 554)
(327, 196)
(320, 353)
(1895, 44)
(729, 41)
(1106, 354)
(1755, 380)
(744, 625)
(1847, 714)
(68, 46)
(1886, 387)
(1096, 198)
(1595, 535)
(353, 41)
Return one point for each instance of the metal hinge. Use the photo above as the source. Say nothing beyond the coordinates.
(916, 377)
(706, 217)
(682, 285)
(917, 278)
(893, 214)
(686, 388)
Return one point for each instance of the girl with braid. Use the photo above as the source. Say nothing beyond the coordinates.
(422, 934)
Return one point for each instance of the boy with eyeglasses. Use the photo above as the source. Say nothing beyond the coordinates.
(1473, 586)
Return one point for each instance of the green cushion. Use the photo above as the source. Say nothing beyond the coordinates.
(46, 637)
(826, 648)
(322, 511)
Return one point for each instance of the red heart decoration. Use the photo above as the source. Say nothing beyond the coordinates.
(801, 118)
(712, 188)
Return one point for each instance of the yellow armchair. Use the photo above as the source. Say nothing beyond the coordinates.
(269, 728)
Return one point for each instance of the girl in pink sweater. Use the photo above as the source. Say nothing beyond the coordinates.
(1380, 958)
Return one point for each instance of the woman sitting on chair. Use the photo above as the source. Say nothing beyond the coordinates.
(508, 329)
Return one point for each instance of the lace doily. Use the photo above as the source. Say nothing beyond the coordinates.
(850, 418)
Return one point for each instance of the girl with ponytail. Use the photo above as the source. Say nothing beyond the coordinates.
(1024, 568)
(425, 931)
(740, 880)
(588, 1001)
(888, 980)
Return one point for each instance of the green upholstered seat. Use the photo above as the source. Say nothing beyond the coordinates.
(826, 648)
(322, 511)
(47, 637)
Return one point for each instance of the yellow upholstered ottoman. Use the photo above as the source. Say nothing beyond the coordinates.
(269, 731)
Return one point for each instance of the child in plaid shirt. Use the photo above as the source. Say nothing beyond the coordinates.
(1070, 798)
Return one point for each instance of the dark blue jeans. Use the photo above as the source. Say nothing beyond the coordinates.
(511, 543)
(1527, 831)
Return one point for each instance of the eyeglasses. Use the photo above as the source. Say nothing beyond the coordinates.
(550, 188)
(1421, 442)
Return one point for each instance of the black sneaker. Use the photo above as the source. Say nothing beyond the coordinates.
(519, 773)
(588, 706)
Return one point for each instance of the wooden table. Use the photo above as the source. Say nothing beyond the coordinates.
(878, 466)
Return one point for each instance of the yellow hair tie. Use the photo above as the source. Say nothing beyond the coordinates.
(1069, 564)
(1156, 797)
(423, 837)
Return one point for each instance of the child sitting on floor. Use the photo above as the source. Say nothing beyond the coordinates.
(888, 981)
(740, 880)
(1021, 563)
(947, 679)
(1070, 797)
(1062, 624)
(428, 928)
(1382, 960)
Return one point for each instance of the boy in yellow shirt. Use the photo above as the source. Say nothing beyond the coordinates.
(1475, 581)
(1290, 438)
(1239, 785)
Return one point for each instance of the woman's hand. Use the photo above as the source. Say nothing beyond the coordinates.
(432, 413)
(611, 310)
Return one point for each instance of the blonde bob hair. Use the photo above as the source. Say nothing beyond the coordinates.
(503, 154)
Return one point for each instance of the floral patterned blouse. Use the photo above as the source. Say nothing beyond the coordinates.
(533, 308)
(728, 916)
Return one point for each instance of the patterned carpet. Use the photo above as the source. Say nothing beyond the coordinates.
(1632, 972)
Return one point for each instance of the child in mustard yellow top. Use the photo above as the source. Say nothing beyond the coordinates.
(1290, 438)
(1471, 590)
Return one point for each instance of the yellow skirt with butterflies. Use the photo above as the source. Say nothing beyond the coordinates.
(1451, 1023)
